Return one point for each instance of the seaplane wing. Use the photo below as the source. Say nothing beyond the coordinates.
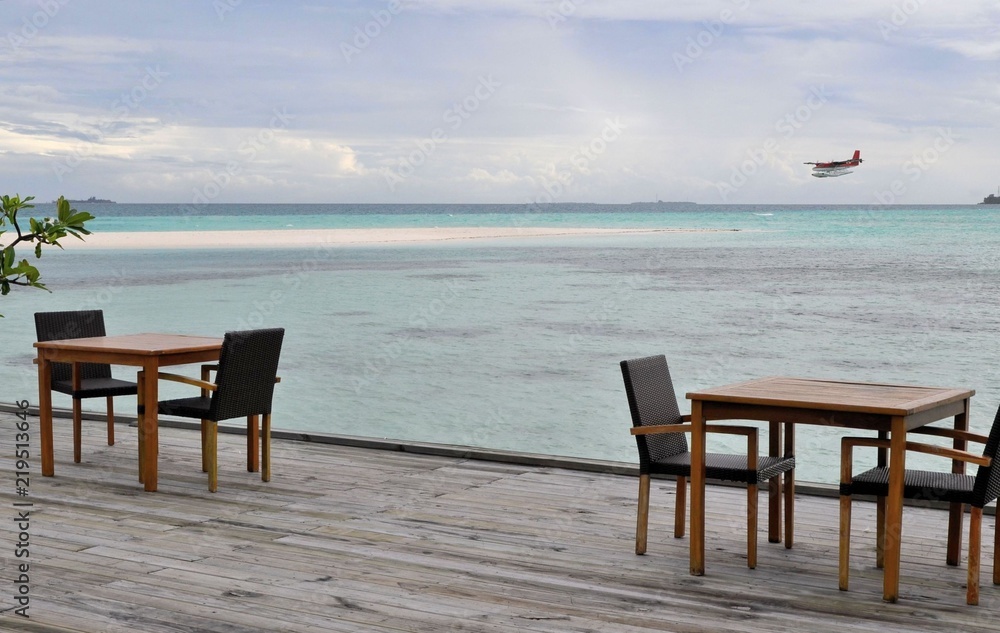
(835, 168)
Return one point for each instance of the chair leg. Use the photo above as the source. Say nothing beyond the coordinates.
(265, 449)
(789, 508)
(680, 510)
(212, 436)
(111, 421)
(956, 515)
(253, 444)
(752, 496)
(774, 510)
(996, 548)
(206, 372)
(642, 516)
(77, 428)
(880, 532)
(975, 537)
(845, 541)
(204, 446)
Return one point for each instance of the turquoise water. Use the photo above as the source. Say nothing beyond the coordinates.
(515, 344)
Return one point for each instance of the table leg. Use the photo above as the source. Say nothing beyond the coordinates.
(894, 509)
(140, 409)
(45, 415)
(697, 489)
(956, 512)
(774, 486)
(882, 462)
(789, 487)
(253, 443)
(150, 443)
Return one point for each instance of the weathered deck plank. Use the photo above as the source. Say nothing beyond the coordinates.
(351, 539)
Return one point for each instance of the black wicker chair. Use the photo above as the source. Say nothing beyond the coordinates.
(659, 430)
(95, 378)
(974, 490)
(244, 387)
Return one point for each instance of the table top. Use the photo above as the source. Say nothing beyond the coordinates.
(143, 344)
(833, 395)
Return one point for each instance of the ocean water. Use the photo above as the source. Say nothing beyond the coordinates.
(515, 343)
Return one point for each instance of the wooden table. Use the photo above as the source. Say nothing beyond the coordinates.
(887, 409)
(148, 351)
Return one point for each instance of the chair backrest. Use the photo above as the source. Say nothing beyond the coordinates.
(248, 367)
(987, 486)
(652, 401)
(57, 326)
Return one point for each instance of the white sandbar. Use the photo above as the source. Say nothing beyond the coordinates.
(296, 238)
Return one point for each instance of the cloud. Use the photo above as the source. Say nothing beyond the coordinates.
(151, 105)
(978, 51)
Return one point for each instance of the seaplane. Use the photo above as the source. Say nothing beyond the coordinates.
(836, 168)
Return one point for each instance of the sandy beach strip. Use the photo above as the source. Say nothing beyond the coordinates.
(310, 238)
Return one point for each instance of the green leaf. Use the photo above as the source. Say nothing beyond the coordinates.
(68, 221)
(78, 218)
(63, 212)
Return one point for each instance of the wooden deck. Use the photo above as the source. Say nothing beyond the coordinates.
(351, 539)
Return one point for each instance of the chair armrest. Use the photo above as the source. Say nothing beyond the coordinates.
(687, 428)
(187, 380)
(952, 433)
(951, 453)
(660, 428)
(731, 429)
(749, 431)
(847, 445)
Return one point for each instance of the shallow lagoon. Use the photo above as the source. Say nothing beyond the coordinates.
(514, 343)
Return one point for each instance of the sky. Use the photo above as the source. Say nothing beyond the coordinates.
(499, 101)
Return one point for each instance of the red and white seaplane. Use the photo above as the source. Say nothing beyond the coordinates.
(837, 167)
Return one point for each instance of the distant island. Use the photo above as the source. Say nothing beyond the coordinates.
(991, 199)
(660, 203)
(91, 199)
